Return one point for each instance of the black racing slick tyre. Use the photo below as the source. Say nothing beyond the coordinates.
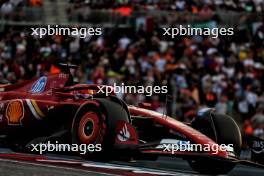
(223, 130)
(89, 127)
(95, 123)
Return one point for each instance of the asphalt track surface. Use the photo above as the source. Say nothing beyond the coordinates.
(21, 164)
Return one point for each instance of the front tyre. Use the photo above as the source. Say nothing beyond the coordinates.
(223, 130)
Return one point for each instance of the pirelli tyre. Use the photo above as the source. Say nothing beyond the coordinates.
(89, 127)
(94, 124)
(223, 130)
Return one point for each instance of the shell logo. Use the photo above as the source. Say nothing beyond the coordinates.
(15, 112)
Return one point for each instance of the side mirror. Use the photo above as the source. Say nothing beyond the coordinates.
(145, 105)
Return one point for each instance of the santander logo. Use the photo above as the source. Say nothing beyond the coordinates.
(123, 134)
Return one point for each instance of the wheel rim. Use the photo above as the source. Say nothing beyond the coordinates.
(88, 129)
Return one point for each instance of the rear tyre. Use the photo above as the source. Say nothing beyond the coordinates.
(223, 130)
(89, 127)
(95, 123)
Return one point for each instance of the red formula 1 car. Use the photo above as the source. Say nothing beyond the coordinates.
(53, 108)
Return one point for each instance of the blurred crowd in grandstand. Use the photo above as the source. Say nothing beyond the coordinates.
(84, 10)
(226, 73)
(193, 6)
(13, 9)
(80, 9)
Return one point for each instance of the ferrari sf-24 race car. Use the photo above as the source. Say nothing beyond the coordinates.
(54, 108)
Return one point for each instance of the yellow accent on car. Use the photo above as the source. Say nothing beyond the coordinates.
(36, 107)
